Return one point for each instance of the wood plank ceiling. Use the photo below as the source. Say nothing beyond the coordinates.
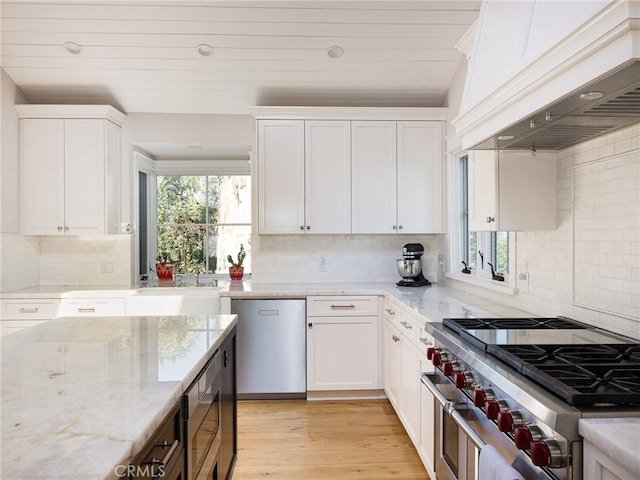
(142, 56)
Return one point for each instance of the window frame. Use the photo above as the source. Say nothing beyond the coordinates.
(154, 168)
(458, 237)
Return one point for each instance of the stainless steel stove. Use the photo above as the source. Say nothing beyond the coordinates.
(522, 385)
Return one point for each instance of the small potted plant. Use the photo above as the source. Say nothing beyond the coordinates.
(165, 268)
(236, 270)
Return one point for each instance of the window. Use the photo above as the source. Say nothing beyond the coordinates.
(476, 249)
(201, 219)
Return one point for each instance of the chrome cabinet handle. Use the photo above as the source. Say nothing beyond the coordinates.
(425, 341)
(395, 338)
(28, 310)
(389, 311)
(406, 325)
(167, 457)
(86, 310)
(337, 307)
(491, 219)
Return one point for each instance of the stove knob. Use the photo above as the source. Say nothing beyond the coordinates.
(439, 358)
(507, 420)
(493, 407)
(430, 352)
(463, 380)
(449, 367)
(546, 453)
(481, 395)
(524, 436)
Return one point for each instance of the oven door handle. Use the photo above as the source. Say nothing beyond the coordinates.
(449, 407)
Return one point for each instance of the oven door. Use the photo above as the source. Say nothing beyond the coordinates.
(203, 424)
(457, 445)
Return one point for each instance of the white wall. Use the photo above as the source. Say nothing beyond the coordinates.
(10, 151)
(549, 255)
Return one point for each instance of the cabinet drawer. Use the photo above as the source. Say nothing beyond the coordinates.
(88, 307)
(342, 306)
(45, 309)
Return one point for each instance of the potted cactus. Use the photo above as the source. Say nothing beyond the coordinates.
(236, 270)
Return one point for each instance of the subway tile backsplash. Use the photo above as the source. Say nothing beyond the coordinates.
(347, 258)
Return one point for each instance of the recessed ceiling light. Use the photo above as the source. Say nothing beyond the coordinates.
(205, 50)
(591, 95)
(505, 137)
(335, 51)
(72, 47)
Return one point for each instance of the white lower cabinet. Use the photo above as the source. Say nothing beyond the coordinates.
(393, 364)
(405, 361)
(342, 343)
(91, 307)
(18, 314)
(600, 466)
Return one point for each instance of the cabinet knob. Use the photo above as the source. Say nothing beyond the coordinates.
(308, 227)
(310, 325)
(400, 227)
(59, 228)
(491, 219)
(395, 227)
(301, 227)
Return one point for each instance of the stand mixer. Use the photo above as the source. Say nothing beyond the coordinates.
(410, 266)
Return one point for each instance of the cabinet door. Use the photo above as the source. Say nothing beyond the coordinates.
(327, 177)
(411, 389)
(373, 173)
(393, 364)
(420, 177)
(84, 176)
(42, 176)
(427, 422)
(11, 326)
(483, 190)
(281, 176)
(342, 353)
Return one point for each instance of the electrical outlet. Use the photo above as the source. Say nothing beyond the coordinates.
(523, 278)
(106, 266)
(323, 264)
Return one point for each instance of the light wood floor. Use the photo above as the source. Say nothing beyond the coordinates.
(309, 440)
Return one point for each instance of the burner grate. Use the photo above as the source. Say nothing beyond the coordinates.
(462, 324)
(582, 375)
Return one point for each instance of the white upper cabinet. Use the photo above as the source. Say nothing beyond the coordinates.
(397, 176)
(69, 172)
(304, 176)
(420, 180)
(512, 191)
(340, 171)
(327, 176)
(373, 166)
(281, 176)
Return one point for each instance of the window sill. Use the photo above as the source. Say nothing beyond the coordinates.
(483, 283)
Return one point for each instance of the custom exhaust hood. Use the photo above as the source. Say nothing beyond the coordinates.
(583, 83)
(590, 111)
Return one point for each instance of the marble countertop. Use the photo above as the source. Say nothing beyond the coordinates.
(81, 396)
(434, 302)
(619, 438)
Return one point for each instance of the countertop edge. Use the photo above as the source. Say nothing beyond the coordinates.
(618, 438)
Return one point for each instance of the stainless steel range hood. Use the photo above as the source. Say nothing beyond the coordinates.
(576, 118)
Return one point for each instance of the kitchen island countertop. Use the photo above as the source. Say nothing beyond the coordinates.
(81, 396)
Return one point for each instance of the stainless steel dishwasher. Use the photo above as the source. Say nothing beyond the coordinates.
(271, 348)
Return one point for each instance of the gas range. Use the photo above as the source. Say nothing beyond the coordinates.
(532, 379)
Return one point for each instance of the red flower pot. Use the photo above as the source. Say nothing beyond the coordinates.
(236, 273)
(165, 270)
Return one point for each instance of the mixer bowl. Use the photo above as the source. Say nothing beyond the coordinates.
(409, 268)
